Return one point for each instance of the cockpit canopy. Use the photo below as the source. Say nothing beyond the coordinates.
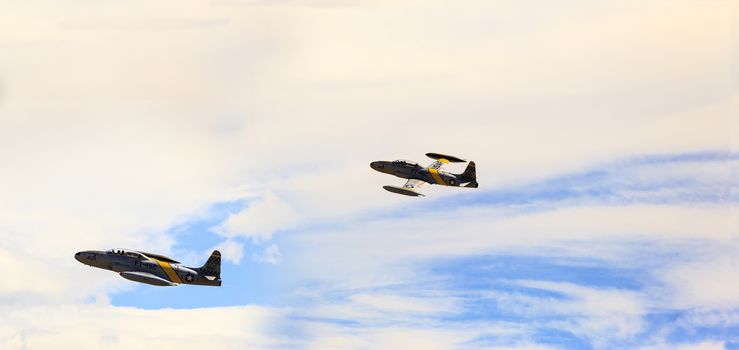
(404, 162)
(128, 253)
(141, 255)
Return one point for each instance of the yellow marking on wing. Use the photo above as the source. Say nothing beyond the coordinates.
(438, 163)
(435, 175)
(169, 271)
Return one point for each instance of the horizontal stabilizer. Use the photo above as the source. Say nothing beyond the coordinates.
(403, 191)
(451, 159)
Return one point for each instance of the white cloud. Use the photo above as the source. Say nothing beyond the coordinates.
(118, 120)
(270, 255)
(230, 251)
(93, 327)
(706, 281)
(337, 337)
(390, 320)
(260, 219)
(706, 318)
(702, 345)
(367, 251)
(395, 303)
(604, 316)
(378, 308)
(659, 240)
(707, 345)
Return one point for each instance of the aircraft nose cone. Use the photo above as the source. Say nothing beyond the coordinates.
(376, 165)
(84, 257)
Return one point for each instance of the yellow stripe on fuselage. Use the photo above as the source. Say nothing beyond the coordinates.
(169, 271)
(435, 175)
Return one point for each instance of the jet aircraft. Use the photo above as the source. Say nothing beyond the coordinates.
(153, 269)
(418, 175)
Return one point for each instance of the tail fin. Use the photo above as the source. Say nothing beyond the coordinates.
(212, 267)
(470, 175)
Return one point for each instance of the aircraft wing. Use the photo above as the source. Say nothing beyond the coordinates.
(434, 170)
(438, 164)
(145, 277)
(413, 184)
(442, 159)
(409, 189)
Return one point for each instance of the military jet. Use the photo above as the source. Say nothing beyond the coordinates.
(418, 175)
(153, 269)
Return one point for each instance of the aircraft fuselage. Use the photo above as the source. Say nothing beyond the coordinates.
(408, 170)
(138, 267)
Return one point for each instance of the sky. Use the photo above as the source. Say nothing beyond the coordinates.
(605, 133)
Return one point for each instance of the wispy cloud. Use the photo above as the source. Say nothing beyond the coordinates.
(270, 255)
(92, 326)
(599, 259)
(147, 24)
